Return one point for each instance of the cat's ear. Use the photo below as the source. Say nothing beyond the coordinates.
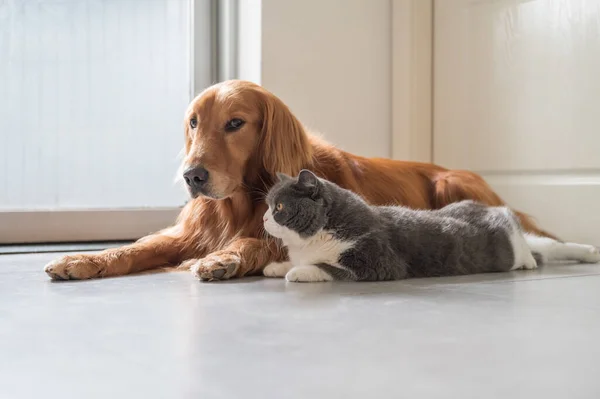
(307, 178)
(282, 177)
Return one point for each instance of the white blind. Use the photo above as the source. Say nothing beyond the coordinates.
(92, 95)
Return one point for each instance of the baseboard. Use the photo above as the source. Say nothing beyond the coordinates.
(19, 227)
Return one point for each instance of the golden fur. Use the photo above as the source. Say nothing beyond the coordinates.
(220, 235)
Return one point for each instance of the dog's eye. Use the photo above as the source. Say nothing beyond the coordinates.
(193, 123)
(279, 206)
(233, 125)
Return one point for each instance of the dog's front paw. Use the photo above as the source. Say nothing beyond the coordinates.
(220, 265)
(277, 269)
(307, 274)
(74, 267)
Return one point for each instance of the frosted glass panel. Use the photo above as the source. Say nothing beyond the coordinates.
(92, 95)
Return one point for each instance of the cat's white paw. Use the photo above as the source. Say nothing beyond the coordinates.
(307, 274)
(592, 255)
(530, 263)
(277, 269)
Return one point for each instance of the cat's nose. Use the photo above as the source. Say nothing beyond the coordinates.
(265, 219)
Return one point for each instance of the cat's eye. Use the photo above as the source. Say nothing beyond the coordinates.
(193, 123)
(279, 206)
(233, 125)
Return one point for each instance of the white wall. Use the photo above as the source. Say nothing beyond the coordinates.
(330, 61)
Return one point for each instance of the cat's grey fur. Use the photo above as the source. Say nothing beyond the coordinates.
(393, 242)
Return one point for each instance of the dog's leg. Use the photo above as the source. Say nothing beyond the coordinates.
(160, 249)
(242, 257)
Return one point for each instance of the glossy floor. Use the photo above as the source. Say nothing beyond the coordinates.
(518, 335)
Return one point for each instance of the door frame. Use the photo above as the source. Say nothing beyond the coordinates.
(412, 80)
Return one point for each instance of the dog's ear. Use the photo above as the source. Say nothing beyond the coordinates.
(284, 144)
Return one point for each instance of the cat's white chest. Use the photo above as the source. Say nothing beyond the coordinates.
(323, 247)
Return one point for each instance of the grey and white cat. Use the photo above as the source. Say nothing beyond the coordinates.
(331, 234)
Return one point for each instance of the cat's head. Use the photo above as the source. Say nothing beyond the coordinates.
(297, 206)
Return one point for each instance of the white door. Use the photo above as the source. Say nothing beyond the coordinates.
(517, 99)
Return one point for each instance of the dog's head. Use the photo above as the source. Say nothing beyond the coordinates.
(236, 128)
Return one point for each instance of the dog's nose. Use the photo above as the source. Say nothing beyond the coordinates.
(195, 177)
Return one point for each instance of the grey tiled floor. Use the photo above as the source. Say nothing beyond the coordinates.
(517, 335)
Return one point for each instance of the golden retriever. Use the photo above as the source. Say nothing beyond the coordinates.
(237, 136)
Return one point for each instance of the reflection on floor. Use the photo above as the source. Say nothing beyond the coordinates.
(524, 334)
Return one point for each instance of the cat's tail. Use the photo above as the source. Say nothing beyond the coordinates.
(546, 249)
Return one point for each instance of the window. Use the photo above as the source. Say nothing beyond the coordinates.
(93, 96)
